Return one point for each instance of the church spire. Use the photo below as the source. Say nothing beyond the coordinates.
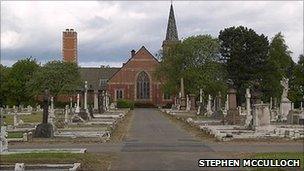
(171, 35)
(171, 28)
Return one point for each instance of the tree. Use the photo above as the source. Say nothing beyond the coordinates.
(196, 59)
(279, 65)
(4, 88)
(18, 76)
(56, 76)
(296, 93)
(244, 53)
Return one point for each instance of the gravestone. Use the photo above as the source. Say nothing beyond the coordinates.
(45, 129)
(19, 167)
(95, 100)
(233, 117)
(101, 102)
(107, 102)
(199, 110)
(3, 140)
(261, 115)
(192, 101)
(38, 108)
(66, 114)
(77, 110)
(51, 112)
(182, 98)
(85, 106)
(209, 110)
(16, 118)
(226, 107)
(248, 108)
(285, 105)
(188, 103)
(295, 117)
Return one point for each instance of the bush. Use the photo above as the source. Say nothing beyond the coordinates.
(144, 105)
(125, 104)
(60, 104)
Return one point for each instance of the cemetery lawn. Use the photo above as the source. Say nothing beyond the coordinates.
(14, 135)
(89, 161)
(32, 118)
(280, 155)
(122, 128)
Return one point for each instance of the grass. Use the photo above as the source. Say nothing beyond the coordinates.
(32, 118)
(122, 128)
(15, 135)
(201, 117)
(89, 161)
(280, 155)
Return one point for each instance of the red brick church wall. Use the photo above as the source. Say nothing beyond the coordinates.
(126, 78)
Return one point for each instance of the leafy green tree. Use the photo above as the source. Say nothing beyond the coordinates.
(296, 93)
(196, 59)
(280, 55)
(279, 65)
(56, 76)
(19, 75)
(4, 88)
(245, 55)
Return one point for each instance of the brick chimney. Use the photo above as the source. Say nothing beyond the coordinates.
(132, 53)
(69, 46)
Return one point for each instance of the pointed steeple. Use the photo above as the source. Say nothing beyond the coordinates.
(172, 34)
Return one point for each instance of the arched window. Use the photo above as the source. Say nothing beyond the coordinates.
(143, 86)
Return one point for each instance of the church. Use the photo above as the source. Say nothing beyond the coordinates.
(134, 81)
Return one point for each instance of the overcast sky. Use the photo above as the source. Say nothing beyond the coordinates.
(108, 31)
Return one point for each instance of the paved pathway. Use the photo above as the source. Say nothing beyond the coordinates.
(154, 143)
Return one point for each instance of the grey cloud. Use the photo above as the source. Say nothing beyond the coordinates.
(110, 39)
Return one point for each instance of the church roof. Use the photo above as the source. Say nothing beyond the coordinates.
(93, 76)
(171, 28)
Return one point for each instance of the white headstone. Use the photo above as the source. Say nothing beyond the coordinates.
(29, 109)
(3, 140)
(52, 103)
(292, 106)
(261, 115)
(85, 96)
(16, 118)
(51, 117)
(209, 110)
(201, 96)
(19, 167)
(96, 100)
(24, 136)
(188, 105)
(270, 105)
(38, 108)
(226, 105)
(248, 108)
(200, 102)
(66, 114)
(77, 110)
(107, 101)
